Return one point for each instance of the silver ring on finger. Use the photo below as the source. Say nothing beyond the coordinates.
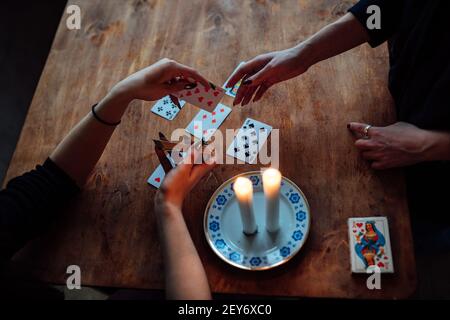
(366, 131)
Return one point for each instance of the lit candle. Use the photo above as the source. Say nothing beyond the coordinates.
(272, 185)
(243, 189)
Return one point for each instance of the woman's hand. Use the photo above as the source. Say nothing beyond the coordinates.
(265, 70)
(181, 180)
(400, 144)
(160, 79)
(262, 72)
(185, 276)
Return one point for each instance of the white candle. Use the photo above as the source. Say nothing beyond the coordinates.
(272, 185)
(243, 189)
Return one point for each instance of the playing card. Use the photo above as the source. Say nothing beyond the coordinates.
(166, 108)
(202, 97)
(205, 123)
(249, 141)
(157, 177)
(370, 244)
(233, 91)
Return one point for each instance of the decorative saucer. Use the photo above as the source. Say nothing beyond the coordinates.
(264, 250)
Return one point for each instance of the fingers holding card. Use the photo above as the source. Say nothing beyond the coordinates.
(233, 91)
(157, 177)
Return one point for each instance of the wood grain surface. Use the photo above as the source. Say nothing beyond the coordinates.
(109, 230)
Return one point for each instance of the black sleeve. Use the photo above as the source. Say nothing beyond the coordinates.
(390, 10)
(29, 204)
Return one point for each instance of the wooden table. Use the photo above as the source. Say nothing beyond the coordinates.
(110, 231)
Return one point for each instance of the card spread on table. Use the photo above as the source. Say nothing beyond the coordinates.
(249, 141)
(205, 123)
(233, 91)
(370, 244)
(202, 97)
(166, 108)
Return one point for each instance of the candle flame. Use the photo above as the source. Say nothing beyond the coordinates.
(243, 186)
(271, 176)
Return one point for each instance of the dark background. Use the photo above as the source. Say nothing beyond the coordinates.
(27, 29)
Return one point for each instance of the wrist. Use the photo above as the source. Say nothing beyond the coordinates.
(112, 107)
(122, 93)
(166, 206)
(437, 146)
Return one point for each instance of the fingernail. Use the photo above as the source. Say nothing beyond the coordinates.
(247, 82)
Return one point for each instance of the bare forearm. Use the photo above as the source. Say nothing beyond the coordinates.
(81, 149)
(79, 152)
(184, 273)
(338, 37)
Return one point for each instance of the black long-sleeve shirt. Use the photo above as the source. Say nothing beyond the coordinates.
(29, 203)
(419, 81)
(419, 52)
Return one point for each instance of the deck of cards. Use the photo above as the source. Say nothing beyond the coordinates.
(370, 244)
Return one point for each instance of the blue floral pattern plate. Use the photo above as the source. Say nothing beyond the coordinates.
(262, 251)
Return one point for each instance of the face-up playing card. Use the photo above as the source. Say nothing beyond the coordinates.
(157, 177)
(370, 244)
(205, 124)
(233, 91)
(249, 141)
(202, 97)
(166, 108)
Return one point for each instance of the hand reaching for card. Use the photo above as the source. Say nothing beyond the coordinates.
(265, 70)
(160, 79)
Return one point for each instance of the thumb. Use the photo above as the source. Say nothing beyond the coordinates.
(259, 77)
